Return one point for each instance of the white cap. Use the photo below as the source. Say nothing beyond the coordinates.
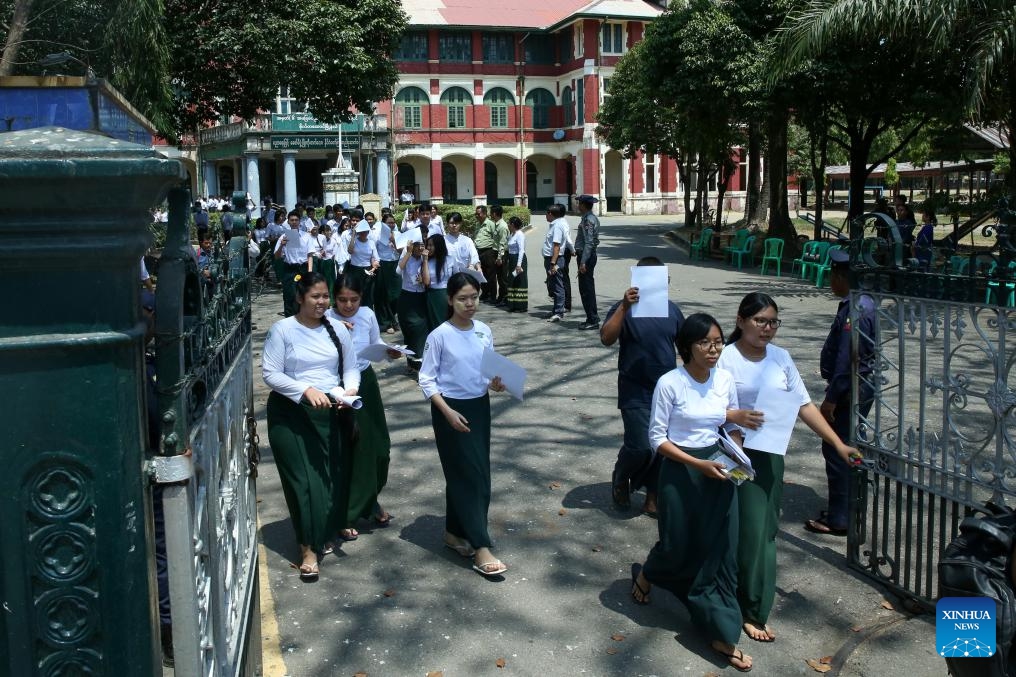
(362, 227)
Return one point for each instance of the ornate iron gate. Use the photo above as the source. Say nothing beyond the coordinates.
(941, 432)
(209, 452)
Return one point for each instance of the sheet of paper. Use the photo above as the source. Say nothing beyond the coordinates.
(376, 352)
(293, 241)
(475, 274)
(354, 402)
(512, 375)
(779, 408)
(731, 449)
(652, 282)
(402, 239)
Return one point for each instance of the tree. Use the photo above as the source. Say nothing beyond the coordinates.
(187, 63)
(933, 46)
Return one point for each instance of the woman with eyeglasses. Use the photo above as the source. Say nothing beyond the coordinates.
(754, 361)
(695, 557)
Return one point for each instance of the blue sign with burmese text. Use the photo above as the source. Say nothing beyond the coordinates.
(965, 627)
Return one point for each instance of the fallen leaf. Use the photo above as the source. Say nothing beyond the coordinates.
(617, 637)
(555, 485)
(360, 674)
(597, 548)
(389, 592)
(711, 674)
(856, 628)
(886, 604)
(826, 660)
(562, 512)
(436, 673)
(499, 662)
(818, 667)
(611, 651)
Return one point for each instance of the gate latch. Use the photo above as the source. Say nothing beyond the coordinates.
(169, 469)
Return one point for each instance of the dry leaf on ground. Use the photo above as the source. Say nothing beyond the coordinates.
(435, 673)
(856, 628)
(389, 592)
(617, 637)
(826, 660)
(562, 512)
(611, 651)
(711, 674)
(360, 674)
(818, 667)
(555, 485)
(886, 604)
(597, 548)
(499, 662)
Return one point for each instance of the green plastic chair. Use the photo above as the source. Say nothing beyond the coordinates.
(736, 244)
(806, 253)
(994, 287)
(772, 250)
(821, 258)
(958, 265)
(822, 271)
(746, 250)
(701, 248)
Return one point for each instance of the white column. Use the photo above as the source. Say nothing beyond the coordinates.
(211, 179)
(384, 183)
(289, 181)
(254, 182)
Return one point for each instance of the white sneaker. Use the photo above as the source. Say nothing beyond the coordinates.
(554, 318)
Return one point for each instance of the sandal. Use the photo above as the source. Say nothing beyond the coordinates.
(760, 632)
(382, 517)
(308, 572)
(735, 655)
(493, 568)
(349, 534)
(821, 526)
(639, 594)
(621, 495)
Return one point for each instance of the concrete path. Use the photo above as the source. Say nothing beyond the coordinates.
(396, 603)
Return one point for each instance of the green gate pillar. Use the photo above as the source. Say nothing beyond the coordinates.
(77, 583)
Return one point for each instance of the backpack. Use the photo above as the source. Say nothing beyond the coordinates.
(978, 564)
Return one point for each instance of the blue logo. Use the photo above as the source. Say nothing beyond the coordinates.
(965, 627)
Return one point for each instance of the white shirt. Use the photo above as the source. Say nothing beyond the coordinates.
(437, 221)
(385, 250)
(463, 251)
(327, 246)
(299, 255)
(407, 223)
(342, 251)
(144, 270)
(365, 330)
(296, 358)
(777, 368)
(517, 245)
(435, 228)
(451, 361)
(446, 272)
(689, 413)
(412, 279)
(363, 253)
(557, 233)
(306, 223)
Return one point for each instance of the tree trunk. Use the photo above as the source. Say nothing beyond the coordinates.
(780, 224)
(689, 215)
(818, 166)
(753, 187)
(19, 24)
(701, 182)
(858, 172)
(722, 182)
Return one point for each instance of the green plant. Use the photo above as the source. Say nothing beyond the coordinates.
(468, 213)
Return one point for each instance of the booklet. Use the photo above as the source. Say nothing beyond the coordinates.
(736, 465)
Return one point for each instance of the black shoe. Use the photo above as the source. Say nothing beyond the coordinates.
(166, 638)
(621, 495)
(589, 325)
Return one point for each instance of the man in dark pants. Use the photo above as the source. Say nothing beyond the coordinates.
(491, 244)
(294, 261)
(586, 241)
(647, 352)
(837, 363)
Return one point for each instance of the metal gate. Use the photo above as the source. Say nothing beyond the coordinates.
(209, 452)
(941, 431)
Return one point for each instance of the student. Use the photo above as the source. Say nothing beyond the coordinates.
(306, 356)
(412, 305)
(293, 261)
(518, 278)
(438, 269)
(363, 257)
(755, 362)
(388, 282)
(695, 557)
(365, 470)
(327, 243)
(460, 411)
(924, 243)
(460, 247)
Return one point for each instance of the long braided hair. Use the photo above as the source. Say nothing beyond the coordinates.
(304, 283)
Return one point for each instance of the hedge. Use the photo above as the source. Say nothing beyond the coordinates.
(468, 213)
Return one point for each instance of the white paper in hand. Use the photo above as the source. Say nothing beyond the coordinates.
(402, 239)
(779, 408)
(475, 274)
(652, 282)
(353, 401)
(512, 375)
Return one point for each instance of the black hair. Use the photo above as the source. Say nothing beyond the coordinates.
(649, 261)
(694, 328)
(752, 304)
(355, 214)
(481, 208)
(308, 280)
(455, 284)
(516, 222)
(370, 214)
(556, 210)
(260, 223)
(454, 217)
(293, 213)
(496, 210)
(440, 253)
(350, 281)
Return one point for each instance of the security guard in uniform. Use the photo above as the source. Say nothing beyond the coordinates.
(836, 364)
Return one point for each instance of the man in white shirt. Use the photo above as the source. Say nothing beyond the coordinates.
(555, 259)
(409, 219)
(294, 248)
(461, 248)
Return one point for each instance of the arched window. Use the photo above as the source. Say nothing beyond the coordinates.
(569, 106)
(499, 99)
(411, 101)
(541, 101)
(456, 99)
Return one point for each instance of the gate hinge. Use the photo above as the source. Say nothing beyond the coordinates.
(168, 469)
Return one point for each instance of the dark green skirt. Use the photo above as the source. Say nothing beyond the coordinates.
(366, 467)
(307, 447)
(465, 460)
(518, 288)
(759, 507)
(413, 320)
(696, 556)
(437, 308)
(386, 293)
(367, 297)
(327, 268)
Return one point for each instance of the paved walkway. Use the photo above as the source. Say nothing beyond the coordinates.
(395, 603)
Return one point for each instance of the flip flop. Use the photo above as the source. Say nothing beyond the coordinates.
(620, 495)
(821, 526)
(308, 572)
(485, 570)
(462, 550)
(382, 518)
(650, 513)
(736, 655)
(349, 534)
(635, 587)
